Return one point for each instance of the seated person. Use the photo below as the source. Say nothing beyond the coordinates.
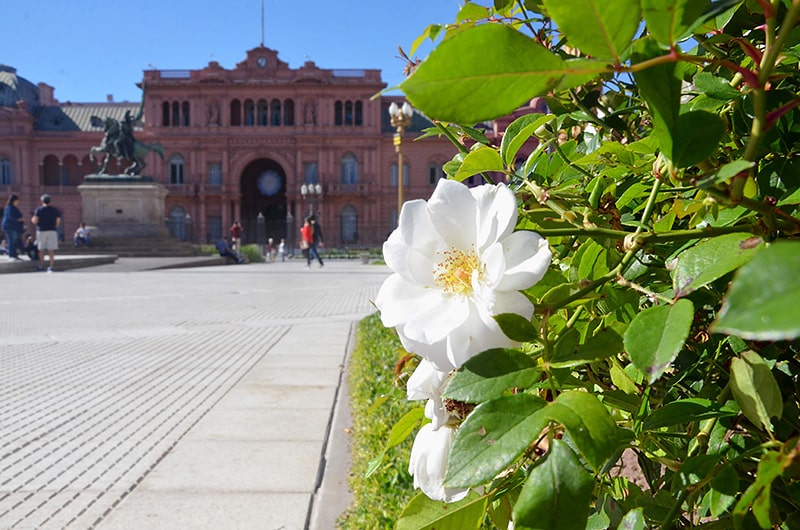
(31, 249)
(225, 250)
(81, 236)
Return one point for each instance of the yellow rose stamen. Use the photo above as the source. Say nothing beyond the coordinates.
(454, 273)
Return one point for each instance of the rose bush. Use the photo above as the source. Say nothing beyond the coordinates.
(650, 376)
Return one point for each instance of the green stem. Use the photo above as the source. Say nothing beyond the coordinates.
(461, 147)
(673, 511)
(569, 162)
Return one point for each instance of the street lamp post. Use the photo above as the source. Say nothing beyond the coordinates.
(400, 118)
(312, 192)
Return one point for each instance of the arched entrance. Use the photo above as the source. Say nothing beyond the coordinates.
(263, 186)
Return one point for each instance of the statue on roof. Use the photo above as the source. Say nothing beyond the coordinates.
(120, 142)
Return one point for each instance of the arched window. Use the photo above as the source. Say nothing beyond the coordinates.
(165, 114)
(263, 113)
(348, 113)
(288, 112)
(176, 114)
(186, 121)
(349, 224)
(436, 172)
(249, 112)
(176, 170)
(275, 112)
(236, 113)
(70, 171)
(359, 113)
(177, 223)
(6, 176)
(349, 169)
(393, 175)
(51, 171)
(338, 110)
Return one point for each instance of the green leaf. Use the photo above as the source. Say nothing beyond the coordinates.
(480, 73)
(516, 327)
(405, 426)
(726, 172)
(424, 514)
(659, 86)
(695, 137)
(669, 21)
(492, 437)
(656, 335)
(478, 161)
(686, 411)
(724, 489)
(589, 424)
(487, 375)
(518, 132)
(557, 493)
(757, 495)
(633, 520)
(712, 259)
(762, 301)
(716, 87)
(755, 389)
(568, 353)
(597, 27)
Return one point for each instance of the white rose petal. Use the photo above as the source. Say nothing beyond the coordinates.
(457, 264)
(428, 463)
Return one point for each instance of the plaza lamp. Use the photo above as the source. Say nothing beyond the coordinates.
(400, 118)
(312, 192)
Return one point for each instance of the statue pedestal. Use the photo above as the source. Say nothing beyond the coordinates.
(123, 206)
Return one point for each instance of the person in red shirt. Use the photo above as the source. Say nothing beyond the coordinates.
(236, 236)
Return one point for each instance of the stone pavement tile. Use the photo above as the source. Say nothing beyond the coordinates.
(286, 396)
(193, 511)
(297, 361)
(293, 376)
(235, 466)
(226, 423)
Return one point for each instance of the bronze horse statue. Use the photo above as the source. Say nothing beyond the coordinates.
(120, 143)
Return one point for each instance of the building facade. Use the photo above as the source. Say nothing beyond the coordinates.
(239, 144)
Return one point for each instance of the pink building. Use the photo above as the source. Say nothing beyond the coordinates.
(239, 145)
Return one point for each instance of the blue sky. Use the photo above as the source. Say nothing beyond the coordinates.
(87, 49)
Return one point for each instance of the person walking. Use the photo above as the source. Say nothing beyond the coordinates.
(236, 236)
(312, 236)
(46, 219)
(282, 249)
(13, 226)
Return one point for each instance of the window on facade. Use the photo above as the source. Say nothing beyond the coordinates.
(177, 223)
(310, 173)
(176, 170)
(214, 224)
(349, 224)
(393, 175)
(275, 112)
(435, 172)
(288, 112)
(236, 113)
(165, 114)
(348, 113)
(6, 177)
(51, 171)
(263, 113)
(249, 113)
(70, 171)
(349, 169)
(185, 117)
(215, 173)
(338, 110)
(176, 114)
(359, 113)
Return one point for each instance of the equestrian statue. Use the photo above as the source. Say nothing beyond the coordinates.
(120, 143)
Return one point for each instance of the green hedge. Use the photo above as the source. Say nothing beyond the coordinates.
(376, 404)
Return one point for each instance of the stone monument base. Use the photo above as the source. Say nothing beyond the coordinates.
(123, 206)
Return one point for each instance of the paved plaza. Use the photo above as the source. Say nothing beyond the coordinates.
(199, 398)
